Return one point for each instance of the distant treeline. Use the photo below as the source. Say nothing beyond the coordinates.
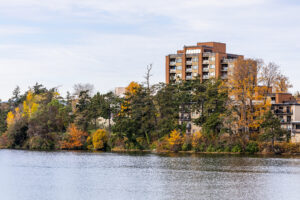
(150, 116)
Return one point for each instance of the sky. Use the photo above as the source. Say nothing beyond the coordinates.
(109, 43)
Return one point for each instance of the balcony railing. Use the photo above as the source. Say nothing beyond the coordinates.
(189, 62)
(224, 77)
(189, 70)
(277, 111)
(225, 60)
(206, 69)
(189, 77)
(225, 69)
(205, 61)
(173, 63)
(205, 77)
(172, 70)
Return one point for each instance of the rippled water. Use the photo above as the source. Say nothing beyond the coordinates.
(81, 175)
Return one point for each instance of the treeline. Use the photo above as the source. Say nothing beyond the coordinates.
(235, 115)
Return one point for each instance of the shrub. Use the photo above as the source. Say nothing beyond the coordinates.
(210, 148)
(252, 147)
(227, 149)
(187, 147)
(236, 149)
(99, 139)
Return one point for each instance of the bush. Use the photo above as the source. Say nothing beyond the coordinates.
(186, 147)
(236, 149)
(210, 148)
(252, 147)
(99, 139)
(227, 149)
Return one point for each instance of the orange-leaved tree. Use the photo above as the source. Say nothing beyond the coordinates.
(75, 138)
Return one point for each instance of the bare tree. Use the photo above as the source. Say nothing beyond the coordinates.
(268, 75)
(83, 87)
(148, 75)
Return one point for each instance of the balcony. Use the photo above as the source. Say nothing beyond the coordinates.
(189, 78)
(281, 112)
(225, 69)
(205, 77)
(206, 54)
(205, 61)
(189, 62)
(188, 70)
(225, 60)
(172, 63)
(224, 77)
(206, 69)
(172, 70)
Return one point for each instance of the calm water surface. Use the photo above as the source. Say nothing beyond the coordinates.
(34, 175)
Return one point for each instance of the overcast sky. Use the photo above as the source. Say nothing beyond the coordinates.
(108, 43)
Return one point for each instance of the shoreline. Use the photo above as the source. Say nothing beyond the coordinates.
(164, 152)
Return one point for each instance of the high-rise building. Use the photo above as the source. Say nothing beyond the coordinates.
(206, 59)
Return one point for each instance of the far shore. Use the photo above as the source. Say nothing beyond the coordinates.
(166, 152)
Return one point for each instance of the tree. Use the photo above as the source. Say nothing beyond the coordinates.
(242, 86)
(282, 84)
(210, 103)
(80, 87)
(175, 140)
(271, 128)
(83, 116)
(75, 138)
(268, 76)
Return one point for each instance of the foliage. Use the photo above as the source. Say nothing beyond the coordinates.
(100, 139)
(175, 141)
(252, 147)
(74, 139)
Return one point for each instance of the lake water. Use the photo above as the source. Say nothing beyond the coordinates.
(30, 175)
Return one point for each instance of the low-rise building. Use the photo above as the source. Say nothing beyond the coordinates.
(287, 109)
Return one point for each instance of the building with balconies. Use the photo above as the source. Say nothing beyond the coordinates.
(206, 59)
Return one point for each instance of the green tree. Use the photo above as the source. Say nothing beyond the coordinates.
(271, 129)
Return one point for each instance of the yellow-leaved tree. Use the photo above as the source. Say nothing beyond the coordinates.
(100, 138)
(30, 105)
(175, 140)
(130, 90)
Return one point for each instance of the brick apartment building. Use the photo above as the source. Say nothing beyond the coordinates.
(206, 59)
(210, 60)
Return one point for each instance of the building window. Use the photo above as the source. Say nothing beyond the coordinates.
(178, 60)
(195, 67)
(212, 66)
(178, 67)
(195, 74)
(297, 126)
(212, 58)
(195, 59)
(212, 73)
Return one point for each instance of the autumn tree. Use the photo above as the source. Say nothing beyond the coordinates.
(175, 140)
(242, 85)
(282, 84)
(75, 138)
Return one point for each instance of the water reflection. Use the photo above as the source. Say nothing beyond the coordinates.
(82, 175)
